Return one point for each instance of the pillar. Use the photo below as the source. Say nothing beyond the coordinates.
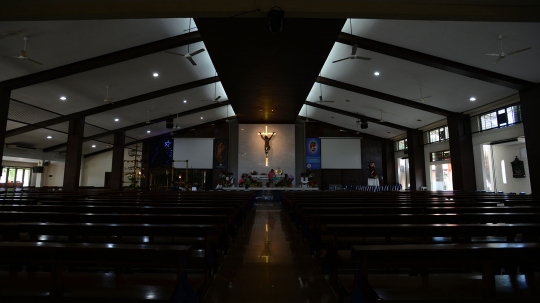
(530, 107)
(117, 167)
(145, 165)
(417, 170)
(74, 154)
(461, 152)
(5, 94)
(388, 162)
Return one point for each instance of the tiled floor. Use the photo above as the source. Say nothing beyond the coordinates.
(280, 271)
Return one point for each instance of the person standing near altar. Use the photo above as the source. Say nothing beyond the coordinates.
(271, 175)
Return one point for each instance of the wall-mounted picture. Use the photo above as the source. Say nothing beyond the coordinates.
(518, 169)
(221, 158)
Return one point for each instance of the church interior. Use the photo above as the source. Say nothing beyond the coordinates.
(270, 151)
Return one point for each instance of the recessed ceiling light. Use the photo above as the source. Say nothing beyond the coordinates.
(94, 146)
(376, 73)
(201, 118)
(185, 101)
(155, 74)
(63, 98)
(116, 119)
(49, 137)
(147, 131)
(472, 99)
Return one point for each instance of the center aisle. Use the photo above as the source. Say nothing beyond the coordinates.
(280, 271)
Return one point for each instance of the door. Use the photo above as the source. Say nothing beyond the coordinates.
(403, 173)
(441, 176)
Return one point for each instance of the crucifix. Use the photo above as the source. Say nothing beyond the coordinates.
(266, 139)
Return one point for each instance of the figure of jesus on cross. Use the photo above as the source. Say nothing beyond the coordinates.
(266, 139)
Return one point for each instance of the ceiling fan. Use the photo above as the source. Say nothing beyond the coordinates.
(189, 55)
(177, 126)
(321, 97)
(353, 53)
(503, 55)
(107, 99)
(422, 98)
(23, 55)
(148, 117)
(307, 118)
(215, 98)
(229, 119)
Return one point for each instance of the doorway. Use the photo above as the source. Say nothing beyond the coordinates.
(441, 176)
(403, 173)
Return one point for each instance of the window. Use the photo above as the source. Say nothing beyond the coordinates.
(503, 171)
(440, 156)
(401, 144)
(438, 134)
(500, 118)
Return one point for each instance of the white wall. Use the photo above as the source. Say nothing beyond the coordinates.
(251, 149)
(508, 153)
(94, 169)
(53, 174)
(488, 136)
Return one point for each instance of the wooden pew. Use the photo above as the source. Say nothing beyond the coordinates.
(60, 255)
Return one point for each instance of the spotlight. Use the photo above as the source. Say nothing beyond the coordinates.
(363, 124)
(275, 18)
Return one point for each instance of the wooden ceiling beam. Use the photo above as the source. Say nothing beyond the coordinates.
(101, 61)
(357, 116)
(142, 124)
(435, 62)
(384, 96)
(107, 107)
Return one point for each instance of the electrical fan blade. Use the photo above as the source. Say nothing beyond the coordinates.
(175, 53)
(14, 57)
(416, 99)
(34, 61)
(197, 52)
(362, 58)
(498, 59)
(353, 53)
(329, 101)
(217, 98)
(493, 55)
(340, 60)
(518, 51)
(426, 97)
(191, 60)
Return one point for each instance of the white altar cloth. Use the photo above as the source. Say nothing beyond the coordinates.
(373, 181)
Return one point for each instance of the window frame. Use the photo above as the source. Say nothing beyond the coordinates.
(490, 119)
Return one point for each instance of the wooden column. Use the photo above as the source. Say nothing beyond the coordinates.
(72, 168)
(145, 182)
(5, 94)
(389, 163)
(461, 152)
(117, 167)
(417, 167)
(530, 107)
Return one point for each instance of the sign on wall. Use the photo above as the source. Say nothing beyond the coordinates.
(313, 153)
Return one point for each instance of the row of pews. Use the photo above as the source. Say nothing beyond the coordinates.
(56, 246)
(360, 238)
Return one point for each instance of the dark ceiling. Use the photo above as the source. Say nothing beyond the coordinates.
(263, 71)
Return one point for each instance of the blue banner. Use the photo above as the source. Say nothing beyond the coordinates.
(313, 153)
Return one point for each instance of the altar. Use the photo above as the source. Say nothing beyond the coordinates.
(373, 181)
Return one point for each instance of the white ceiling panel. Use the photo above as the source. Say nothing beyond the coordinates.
(371, 107)
(126, 79)
(160, 107)
(183, 122)
(403, 79)
(464, 42)
(38, 138)
(56, 43)
(348, 122)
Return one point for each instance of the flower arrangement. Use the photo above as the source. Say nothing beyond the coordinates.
(314, 184)
(254, 172)
(285, 182)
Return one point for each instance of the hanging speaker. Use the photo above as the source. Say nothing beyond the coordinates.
(364, 124)
(169, 123)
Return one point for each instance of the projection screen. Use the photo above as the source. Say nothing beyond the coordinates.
(197, 151)
(340, 153)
